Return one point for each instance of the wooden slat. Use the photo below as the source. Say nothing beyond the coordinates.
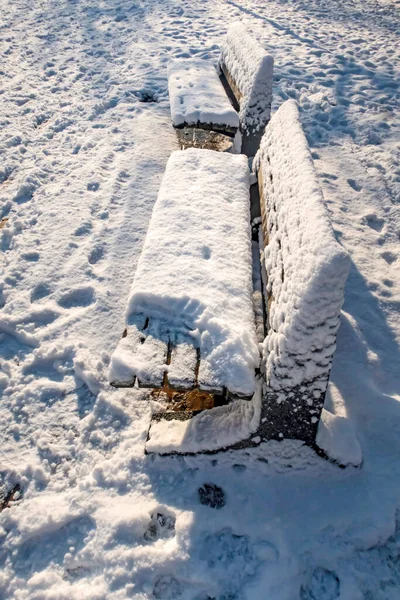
(237, 94)
(182, 369)
(151, 356)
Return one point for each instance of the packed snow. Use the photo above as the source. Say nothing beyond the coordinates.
(251, 70)
(85, 136)
(197, 95)
(306, 267)
(195, 271)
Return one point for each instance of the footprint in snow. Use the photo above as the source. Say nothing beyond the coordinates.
(232, 561)
(146, 96)
(322, 585)
(239, 468)
(375, 222)
(389, 257)
(161, 526)
(41, 290)
(353, 184)
(96, 254)
(211, 495)
(40, 318)
(167, 587)
(77, 297)
(84, 229)
(93, 186)
(31, 256)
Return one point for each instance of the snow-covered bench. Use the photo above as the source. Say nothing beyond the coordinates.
(306, 273)
(201, 108)
(248, 70)
(190, 321)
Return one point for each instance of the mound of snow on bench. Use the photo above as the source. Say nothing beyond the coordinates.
(195, 271)
(197, 95)
(251, 69)
(306, 267)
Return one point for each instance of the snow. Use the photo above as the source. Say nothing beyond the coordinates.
(209, 430)
(306, 267)
(294, 525)
(197, 95)
(195, 272)
(251, 69)
(337, 438)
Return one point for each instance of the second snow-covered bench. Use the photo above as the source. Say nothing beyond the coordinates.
(201, 108)
(190, 321)
(201, 111)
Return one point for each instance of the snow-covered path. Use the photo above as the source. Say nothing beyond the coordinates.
(84, 138)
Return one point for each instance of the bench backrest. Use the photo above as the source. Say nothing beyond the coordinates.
(249, 71)
(306, 274)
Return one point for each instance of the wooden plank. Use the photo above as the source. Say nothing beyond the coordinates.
(151, 357)
(235, 92)
(182, 368)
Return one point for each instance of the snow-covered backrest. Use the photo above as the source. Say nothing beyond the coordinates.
(306, 274)
(249, 72)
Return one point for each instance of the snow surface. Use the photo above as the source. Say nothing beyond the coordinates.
(195, 271)
(306, 267)
(85, 126)
(251, 69)
(197, 95)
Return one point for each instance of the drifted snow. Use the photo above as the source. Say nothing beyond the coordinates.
(197, 95)
(195, 271)
(306, 267)
(252, 71)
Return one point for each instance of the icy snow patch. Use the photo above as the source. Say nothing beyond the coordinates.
(306, 267)
(195, 270)
(337, 437)
(197, 95)
(251, 69)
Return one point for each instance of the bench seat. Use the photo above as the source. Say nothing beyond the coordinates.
(190, 319)
(198, 98)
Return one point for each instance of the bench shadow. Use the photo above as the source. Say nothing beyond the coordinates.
(366, 339)
(366, 374)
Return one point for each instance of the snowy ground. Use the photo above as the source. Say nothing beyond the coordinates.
(84, 137)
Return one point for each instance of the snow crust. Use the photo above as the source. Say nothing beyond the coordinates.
(306, 267)
(251, 69)
(195, 271)
(337, 437)
(197, 95)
